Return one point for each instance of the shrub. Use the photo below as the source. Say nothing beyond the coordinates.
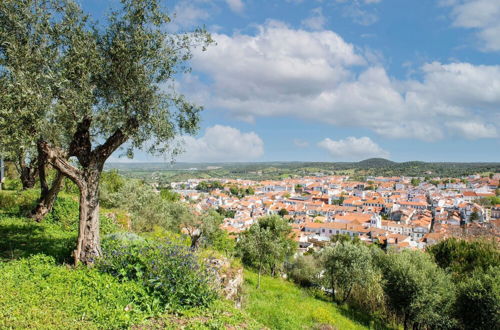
(462, 257)
(65, 212)
(478, 300)
(304, 270)
(170, 272)
(18, 202)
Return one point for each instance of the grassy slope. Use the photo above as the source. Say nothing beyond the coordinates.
(279, 304)
(38, 290)
(41, 292)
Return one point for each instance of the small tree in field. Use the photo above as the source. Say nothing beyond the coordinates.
(114, 84)
(346, 264)
(266, 244)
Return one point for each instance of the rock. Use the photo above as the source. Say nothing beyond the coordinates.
(228, 279)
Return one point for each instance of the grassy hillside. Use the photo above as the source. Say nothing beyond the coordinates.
(279, 304)
(39, 289)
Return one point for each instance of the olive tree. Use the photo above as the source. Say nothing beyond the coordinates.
(419, 292)
(28, 55)
(114, 87)
(266, 244)
(346, 265)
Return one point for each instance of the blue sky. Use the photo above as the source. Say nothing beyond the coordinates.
(335, 80)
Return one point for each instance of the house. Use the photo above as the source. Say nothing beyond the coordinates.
(495, 212)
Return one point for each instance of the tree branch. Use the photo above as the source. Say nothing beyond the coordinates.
(81, 146)
(57, 158)
(119, 137)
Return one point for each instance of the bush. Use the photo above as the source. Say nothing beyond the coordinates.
(170, 272)
(478, 300)
(304, 270)
(461, 257)
(18, 202)
(66, 212)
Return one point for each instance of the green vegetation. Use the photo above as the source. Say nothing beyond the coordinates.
(461, 258)
(38, 293)
(156, 276)
(266, 245)
(166, 173)
(279, 304)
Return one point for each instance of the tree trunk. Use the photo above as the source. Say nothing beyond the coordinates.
(88, 247)
(47, 196)
(28, 175)
(258, 281)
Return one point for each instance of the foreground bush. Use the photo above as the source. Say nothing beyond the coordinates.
(37, 293)
(478, 301)
(170, 272)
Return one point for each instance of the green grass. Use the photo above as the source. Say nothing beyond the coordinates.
(38, 289)
(280, 304)
(38, 293)
(22, 237)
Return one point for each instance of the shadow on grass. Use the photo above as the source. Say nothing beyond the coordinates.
(364, 319)
(19, 237)
(352, 313)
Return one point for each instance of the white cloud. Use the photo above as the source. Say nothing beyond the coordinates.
(299, 143)
(473, 130)
(352, 148)
(318, 76)
(236, 5)
(356, 10)
(222, 144)
(481, 15)
(187, 15)
(316, 21)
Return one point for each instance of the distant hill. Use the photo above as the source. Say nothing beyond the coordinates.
(376, 163)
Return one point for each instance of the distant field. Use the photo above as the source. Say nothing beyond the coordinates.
(165, 173)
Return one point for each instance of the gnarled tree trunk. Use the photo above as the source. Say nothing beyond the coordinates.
(47, 195)
(27, 172)
(88, 247)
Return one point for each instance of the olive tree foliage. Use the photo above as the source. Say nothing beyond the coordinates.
(26, 55)
(346, 265)
(150, 212)
(478, 299)
(419, 292)
(266, 245)
(304, 270)
(114, 84)
(461, 257)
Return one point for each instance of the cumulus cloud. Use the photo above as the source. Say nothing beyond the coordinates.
(352, 148)
(316, 75)
(481, 15)
(316, 21)
(473, 130)
(236, 5)
(222, 144)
